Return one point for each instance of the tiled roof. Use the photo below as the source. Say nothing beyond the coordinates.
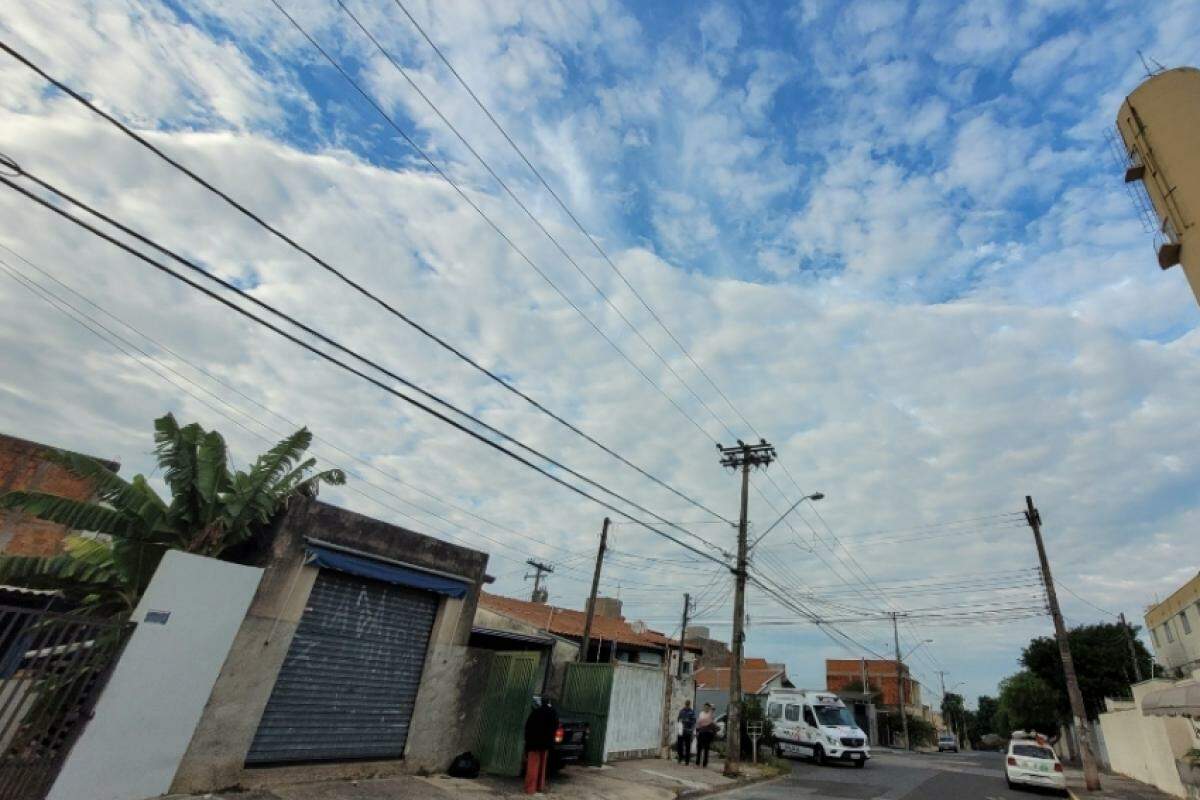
(755, 676)
(568, 622)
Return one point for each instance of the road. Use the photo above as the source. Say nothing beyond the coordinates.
(895, 776)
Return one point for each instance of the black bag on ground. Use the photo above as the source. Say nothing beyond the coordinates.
(464, 765)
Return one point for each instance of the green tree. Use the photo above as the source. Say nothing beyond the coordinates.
(1026, 703)
(1102, 663)
(982, 722)
(129, 527)
(953, 712)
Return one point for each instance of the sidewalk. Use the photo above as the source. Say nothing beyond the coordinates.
(643, 779)
(1114, 787)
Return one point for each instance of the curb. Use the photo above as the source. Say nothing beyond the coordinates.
(689, 794)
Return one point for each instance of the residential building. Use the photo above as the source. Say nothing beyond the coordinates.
(1157, 124)
(880, 677)
(29, 466)
(353, 658)
(758, 679)
(613, 638)
(1174, 626)
(713, 652)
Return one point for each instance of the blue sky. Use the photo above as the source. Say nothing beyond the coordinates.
(891, 232)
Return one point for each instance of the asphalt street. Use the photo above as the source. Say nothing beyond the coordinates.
(896, 776)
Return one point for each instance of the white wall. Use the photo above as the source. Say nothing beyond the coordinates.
(147, 713)
(635, 709)
(1145, 748)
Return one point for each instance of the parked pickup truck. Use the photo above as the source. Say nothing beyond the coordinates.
(570, 740)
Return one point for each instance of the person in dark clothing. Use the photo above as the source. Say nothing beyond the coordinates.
(540, 727)
(687, 726)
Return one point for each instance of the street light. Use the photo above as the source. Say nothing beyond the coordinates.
(920, 644)
(815, 496)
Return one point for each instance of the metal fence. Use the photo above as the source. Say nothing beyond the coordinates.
(52, 669)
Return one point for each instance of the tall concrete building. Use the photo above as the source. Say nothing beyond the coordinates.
(1158, 125)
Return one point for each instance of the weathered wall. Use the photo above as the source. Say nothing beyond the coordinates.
(145, 717)
(634, 712)
(216, 755)
(1145, 748)
(24, 466)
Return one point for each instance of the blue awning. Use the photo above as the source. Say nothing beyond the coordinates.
(401, 575)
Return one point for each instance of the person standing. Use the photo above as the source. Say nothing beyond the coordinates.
(540, 727)
(706, 730)
(687, 726)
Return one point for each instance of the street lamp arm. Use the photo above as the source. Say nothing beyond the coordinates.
(814, 497)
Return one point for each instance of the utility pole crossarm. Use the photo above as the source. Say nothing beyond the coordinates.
(539, 568)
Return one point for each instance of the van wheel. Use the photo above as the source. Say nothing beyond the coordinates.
(819, 756)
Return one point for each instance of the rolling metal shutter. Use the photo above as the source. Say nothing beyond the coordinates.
(349, 680)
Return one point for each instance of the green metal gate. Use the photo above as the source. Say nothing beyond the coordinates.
(507, 701)
(587, 689)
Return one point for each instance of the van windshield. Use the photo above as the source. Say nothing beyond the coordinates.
(833, 715)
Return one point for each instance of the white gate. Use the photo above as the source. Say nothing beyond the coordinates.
(634, 712)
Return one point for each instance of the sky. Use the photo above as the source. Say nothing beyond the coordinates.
(889, 237)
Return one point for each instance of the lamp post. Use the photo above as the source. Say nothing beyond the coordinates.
(814, 497)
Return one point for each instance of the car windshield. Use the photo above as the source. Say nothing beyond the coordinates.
(832, 715)
(1032, 751)
(947, 737)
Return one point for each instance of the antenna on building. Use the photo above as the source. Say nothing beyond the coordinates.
(1150, 73)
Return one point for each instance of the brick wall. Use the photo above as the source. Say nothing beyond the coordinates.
(24, 466)
(881, 675)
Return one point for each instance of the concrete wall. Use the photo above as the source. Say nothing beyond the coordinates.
(1146, 748)
(144, 719)
(216, 756)
(635, 712)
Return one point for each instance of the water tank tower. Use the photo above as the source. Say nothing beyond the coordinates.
(1159, 126)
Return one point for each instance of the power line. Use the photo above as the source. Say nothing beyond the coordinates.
(347, 367)
(362, 290)
(1072, 592)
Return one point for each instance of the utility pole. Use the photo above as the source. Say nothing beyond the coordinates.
(900, 679)
(746, 457)
(539, 595)
(1137, 668)
(591, 606)
(1091, 774)
(687, 604)
(941, 673)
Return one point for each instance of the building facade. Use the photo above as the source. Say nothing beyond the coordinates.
(29, 466)
(1157, 124)
(1174, 626)
(880, 677)
(758, 679)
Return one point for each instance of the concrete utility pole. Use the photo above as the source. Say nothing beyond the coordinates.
(1091, 774)
(687, 605)
(591, 606)
(745, 457)
(1137, 668)
(900, 679)
(538, 596)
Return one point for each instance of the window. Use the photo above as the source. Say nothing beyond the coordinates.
(1183, 620)
(775, 711)
(1154, 636)
(809, 719)
(1167, 628)
(1032, 751)
(833, 716)
(791, 713)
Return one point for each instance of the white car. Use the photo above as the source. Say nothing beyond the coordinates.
(1032, 764)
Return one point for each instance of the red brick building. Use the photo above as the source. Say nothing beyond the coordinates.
(24, 466)
(881, 678)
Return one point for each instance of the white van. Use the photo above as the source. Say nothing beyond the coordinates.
(817, 725)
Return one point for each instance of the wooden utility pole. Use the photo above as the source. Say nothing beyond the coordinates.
(591, 606)
(900, 679)
(538, 596)
(1091, 774)
(745, 457)
(687, 604)
(1137, 668)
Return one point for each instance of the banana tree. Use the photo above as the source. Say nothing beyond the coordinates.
(129, 526)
